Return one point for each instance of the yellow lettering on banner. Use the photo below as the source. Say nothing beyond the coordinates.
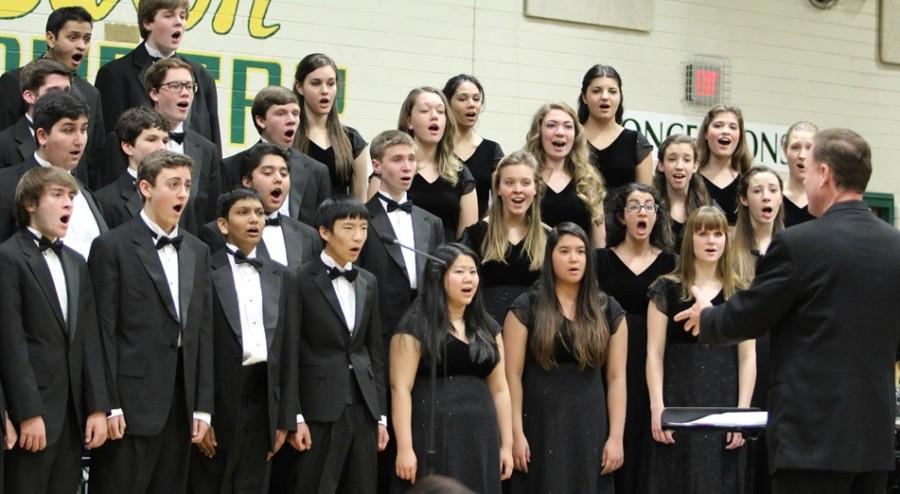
(257, 27)
(99, 10)
(11, 9)
(195, 13)
(223, 21)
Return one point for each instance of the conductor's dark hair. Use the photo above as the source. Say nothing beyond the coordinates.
(454, 82)
(429, 317)
(229, 199)
(255, 155)
(332, 210)
(847, 154)
(59, 17)
(660, 235)
(594, 72)
(55, 106)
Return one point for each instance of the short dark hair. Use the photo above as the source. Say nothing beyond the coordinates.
(592, 73)
(59, 17)
(268, 97)
(661, 235)
(332, 210)
(147, 10)
(254, 156)
(454, 82)
(160, 160)
(229, 199)
(386, 139)
(31, 187)
(138, 119)
(156, 74)
(34, 74)
(55, 106)
(847, 154)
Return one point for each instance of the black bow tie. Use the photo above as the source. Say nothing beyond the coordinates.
(393, 205)
(240, 258)
(276, 221)
(177, 137)
(336, 272)
(173, 241)
(56, 245)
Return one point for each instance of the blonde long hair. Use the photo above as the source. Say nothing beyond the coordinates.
(448, 164)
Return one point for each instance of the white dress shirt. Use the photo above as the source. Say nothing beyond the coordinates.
(83, 227)
(250, 307)
(156, 53)
(401, 222)
(174, 146)
(54, 263)
(346, 295)
(273, 236)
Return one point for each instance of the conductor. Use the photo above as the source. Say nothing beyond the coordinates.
(826, 291)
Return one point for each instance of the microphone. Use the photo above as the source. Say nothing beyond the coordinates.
(393, 240)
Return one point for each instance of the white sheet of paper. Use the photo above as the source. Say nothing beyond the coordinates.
(731, 419)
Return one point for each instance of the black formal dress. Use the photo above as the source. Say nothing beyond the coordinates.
(340, 187)
(694, 376)
(482, 164)
(441, 199)
(565, 205)
(564, 414)
(725, 198)
(630, 290)
(617, 162)
(794, 214)
(678, 233)
(501, 282)
(467, 438)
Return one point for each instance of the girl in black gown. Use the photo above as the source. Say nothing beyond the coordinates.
(723, 156)
(512, 239)
(480, 155)
(680, 372)
(320, 133)
(621, 155)
(443, 186)
(760, 217)
(448, 386)
(797, 145)
(574, 190)
(639, 237)
(677, 182)
(564, 338)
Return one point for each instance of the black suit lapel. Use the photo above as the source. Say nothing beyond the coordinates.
(299, 181)
(73, 289)
(293, 244)
(382, 226)
(360, 286)
(186, 260)
(192, 149)
(41, 272)
(223, 280)
(143, 61)
(129, 194)
(422, 241)
(270, 283)
(324, 284)
(146, 250)
(24, 139)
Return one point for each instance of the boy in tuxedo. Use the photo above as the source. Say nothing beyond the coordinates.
(68, 37)
(52, 368)
(341, 382)
(139, 132)
(37, 79)
(162, 25)
(250, 295)
(276, 114)
(284, 239)
(393, 216)
(60, 130)
(155, 308)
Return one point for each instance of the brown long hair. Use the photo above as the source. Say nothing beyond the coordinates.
(744, 237)
(741, 160)
(589, 329)
(449, 165)
(340, 143)
(697, 194)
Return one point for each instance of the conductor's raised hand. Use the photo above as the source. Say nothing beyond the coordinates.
(691, 316)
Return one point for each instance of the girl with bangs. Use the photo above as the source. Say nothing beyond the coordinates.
(680, 372)
(639, 252)
(677, 182)
(564, 339)
(320, 134)
(511, 240)
(574, 190)
(723, 156)
(449, 350)
(443, 186)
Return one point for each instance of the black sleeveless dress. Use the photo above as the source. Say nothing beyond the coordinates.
(794, 214)
(557, 207)
(339, 186)
(726, 198)
(441, 198)
(482, 164)
(618, 161)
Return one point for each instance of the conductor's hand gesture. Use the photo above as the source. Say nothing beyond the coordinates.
(691, 316)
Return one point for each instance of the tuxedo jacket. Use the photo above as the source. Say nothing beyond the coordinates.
(276, 283)
(48, 358)
(329, 358)
(121, 85)
(9, 179)
(140, 327)
(826, 293)
(119, 201)
(310, 183)
(385, 260)
(12, 108)
(301, 241)
(16, 143)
